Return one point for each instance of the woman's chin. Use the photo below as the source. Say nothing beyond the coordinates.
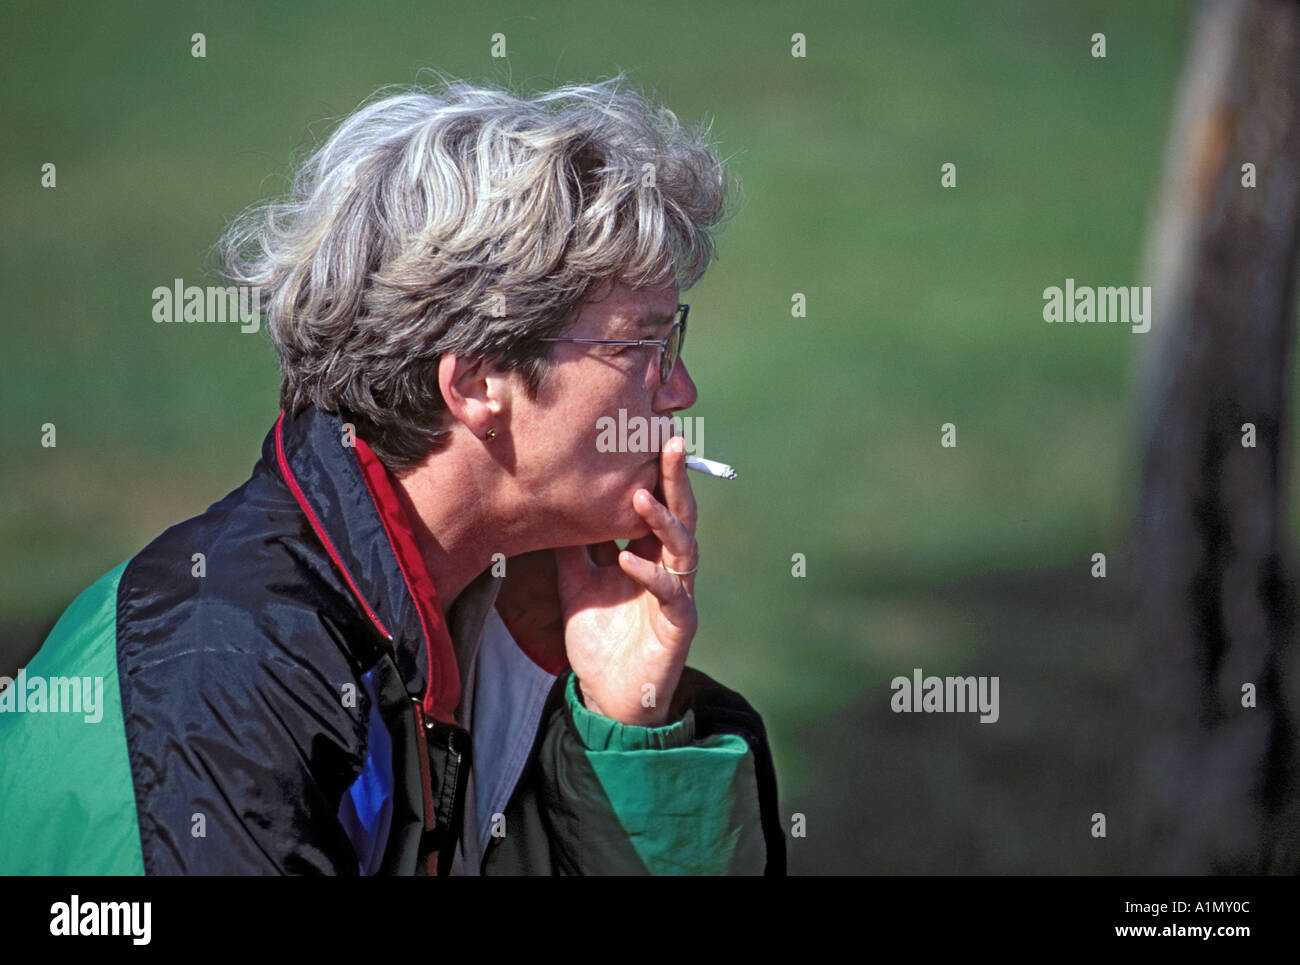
(628, 531)
(634, 528)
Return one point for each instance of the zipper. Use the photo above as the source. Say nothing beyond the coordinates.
(445, 756)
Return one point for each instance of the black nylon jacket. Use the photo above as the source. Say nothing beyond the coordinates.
(287, 700)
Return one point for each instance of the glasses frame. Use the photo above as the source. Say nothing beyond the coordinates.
(665, 373)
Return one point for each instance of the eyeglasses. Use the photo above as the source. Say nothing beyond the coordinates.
(670, 348)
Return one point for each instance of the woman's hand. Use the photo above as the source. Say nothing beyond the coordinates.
(628, 622)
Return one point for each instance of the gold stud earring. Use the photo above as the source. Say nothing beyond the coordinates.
(492, 433)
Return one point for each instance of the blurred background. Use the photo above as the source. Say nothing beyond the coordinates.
(924, 307)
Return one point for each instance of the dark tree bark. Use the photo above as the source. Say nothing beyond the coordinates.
(1215, 779)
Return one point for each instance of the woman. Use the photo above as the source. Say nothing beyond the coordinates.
(409, 643)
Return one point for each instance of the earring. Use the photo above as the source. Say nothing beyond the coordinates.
(492, 433)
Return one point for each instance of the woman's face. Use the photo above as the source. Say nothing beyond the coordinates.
(581, 493)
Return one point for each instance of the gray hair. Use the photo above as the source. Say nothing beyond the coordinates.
(466, 220)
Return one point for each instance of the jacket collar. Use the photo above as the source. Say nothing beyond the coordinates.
(350, 501)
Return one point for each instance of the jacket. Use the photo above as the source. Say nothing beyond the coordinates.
(282, 694)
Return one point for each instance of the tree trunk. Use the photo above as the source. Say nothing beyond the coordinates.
(1212, 535)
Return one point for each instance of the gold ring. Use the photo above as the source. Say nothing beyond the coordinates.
(680, 572)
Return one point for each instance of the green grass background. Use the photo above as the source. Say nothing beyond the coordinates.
(923, 304)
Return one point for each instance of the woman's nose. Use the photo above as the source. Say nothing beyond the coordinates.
(679, 392)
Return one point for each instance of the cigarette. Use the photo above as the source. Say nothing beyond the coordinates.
(711, 468)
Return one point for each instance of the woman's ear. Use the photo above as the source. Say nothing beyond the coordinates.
(477, 393)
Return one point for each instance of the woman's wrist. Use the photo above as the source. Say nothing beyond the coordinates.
(649, 717)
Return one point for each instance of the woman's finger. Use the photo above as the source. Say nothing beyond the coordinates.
(678, 495)
(647, 547)
(674, 602)
(679, 548)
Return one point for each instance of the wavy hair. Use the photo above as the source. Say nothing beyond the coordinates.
(470, 220)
